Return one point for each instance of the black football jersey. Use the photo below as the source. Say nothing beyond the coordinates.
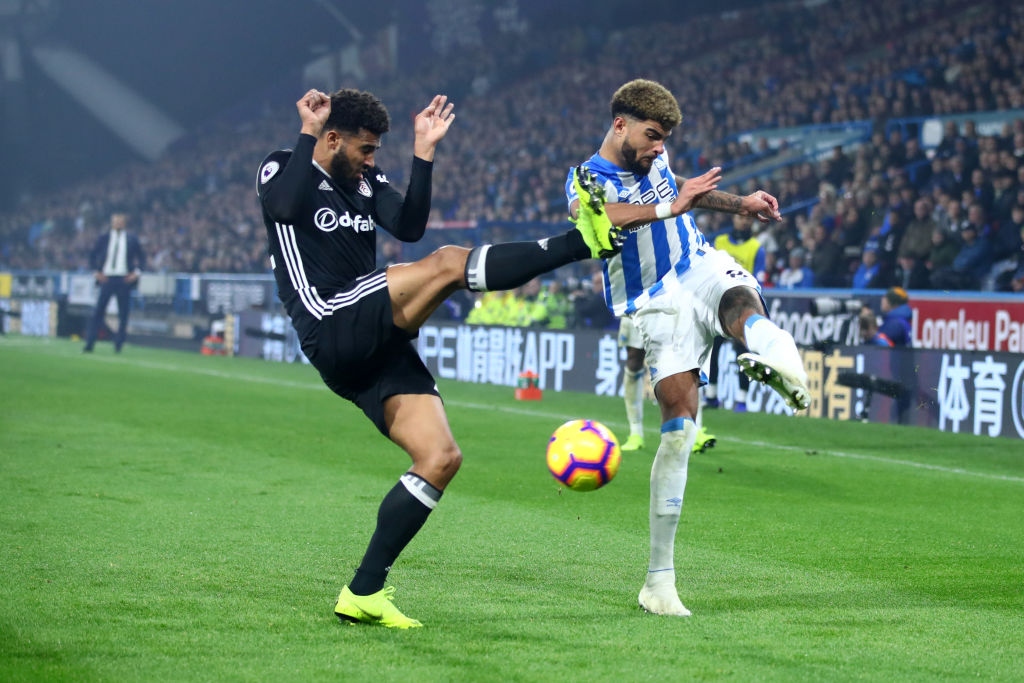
(323, 235)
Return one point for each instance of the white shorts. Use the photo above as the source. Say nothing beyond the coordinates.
(629, 336)
(679, 324)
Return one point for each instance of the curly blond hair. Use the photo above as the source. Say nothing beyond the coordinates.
(647, 100)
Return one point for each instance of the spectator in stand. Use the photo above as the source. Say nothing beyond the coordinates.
(1004, 195)
(959, 175)
(797, 275)
(950, 134)
(952, 217)
(974, 259)
(915, 246)
(940, 179)
(826, 258)
(590, 307)
(981, 189)
(942, 254)
(867, 274)
(1013, 264)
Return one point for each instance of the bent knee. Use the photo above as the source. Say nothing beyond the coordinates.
(737, 303)
(450, 262)
(442, 464)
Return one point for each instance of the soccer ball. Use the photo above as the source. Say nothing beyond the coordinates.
(584, 455)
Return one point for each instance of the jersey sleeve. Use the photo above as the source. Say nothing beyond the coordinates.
(404, 217)
(281, 184)
(570, 192)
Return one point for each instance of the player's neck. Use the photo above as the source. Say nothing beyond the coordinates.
(611, 150)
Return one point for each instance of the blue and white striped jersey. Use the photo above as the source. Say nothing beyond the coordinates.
(651, 252)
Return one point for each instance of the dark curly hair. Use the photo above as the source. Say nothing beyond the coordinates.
(646, 100)
(354, 109)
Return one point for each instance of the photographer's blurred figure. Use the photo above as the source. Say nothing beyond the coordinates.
(895, 329)
(116, 259)
(869, 333)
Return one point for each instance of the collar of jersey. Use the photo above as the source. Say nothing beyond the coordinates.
(602, 165)
(322, 170)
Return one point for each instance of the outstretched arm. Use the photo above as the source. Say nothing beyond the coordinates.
(759, 204)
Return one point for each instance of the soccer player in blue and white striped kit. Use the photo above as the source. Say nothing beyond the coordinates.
(680, 293)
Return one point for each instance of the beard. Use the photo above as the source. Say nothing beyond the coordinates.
(633, 164)
(341, 171)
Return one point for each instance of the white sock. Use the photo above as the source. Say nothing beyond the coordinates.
(700, 415)
(668, 483)
(767, 339)
(633, 388)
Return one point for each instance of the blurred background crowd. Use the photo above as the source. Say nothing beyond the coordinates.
(879, 212)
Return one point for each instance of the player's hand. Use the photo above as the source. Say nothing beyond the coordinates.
(762, 206)
(131, 278)
(430, 125)
(314, 108)
(100, 277)
(695, 188)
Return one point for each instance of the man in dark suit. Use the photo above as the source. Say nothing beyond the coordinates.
(116, 259)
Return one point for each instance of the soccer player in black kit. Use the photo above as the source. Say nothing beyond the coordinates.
(322, 204)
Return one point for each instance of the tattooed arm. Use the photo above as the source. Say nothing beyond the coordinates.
(758, 204)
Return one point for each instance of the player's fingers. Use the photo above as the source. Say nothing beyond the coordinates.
(448, 111)
(435, 103)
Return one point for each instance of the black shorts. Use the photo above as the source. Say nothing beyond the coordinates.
(363, 357)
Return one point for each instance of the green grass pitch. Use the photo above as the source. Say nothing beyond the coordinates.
(166, 516)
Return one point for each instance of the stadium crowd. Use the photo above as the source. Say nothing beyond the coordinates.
(877, 214)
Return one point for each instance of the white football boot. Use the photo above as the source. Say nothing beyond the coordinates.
(659, 596)
(790, 383)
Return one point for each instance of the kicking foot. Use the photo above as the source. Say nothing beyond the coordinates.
(377, 608)
(790, 383)
(603, 238)
(704, 441)
(634, 443)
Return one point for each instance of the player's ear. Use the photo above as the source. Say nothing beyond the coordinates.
(332, 138)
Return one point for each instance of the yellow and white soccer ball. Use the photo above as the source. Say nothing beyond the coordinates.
(584, 455)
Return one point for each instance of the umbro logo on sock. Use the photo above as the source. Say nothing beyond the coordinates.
(675, 502)
(326, 186)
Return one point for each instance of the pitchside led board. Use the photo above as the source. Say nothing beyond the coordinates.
(965, 375)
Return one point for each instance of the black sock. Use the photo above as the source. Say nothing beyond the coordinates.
(507, 266)
(402, 512)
